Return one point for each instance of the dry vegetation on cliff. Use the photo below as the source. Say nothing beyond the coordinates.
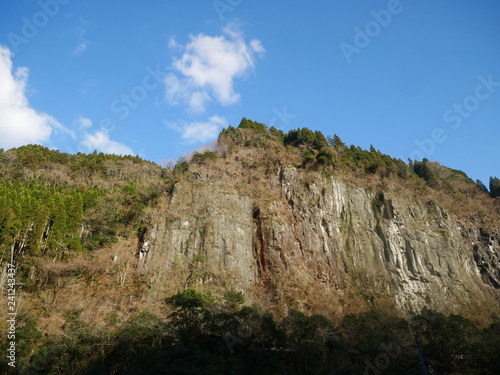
(74, 225)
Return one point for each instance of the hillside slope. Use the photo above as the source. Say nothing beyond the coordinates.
(295, 222)
(294, 219)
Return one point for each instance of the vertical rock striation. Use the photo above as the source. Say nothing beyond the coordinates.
(325, 243)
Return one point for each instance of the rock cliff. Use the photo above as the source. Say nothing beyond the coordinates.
(317, 242)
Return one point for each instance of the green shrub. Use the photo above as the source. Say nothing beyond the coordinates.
(233, 299)
(423, 170)
(257, 127)
(203, 158)
(181, 167)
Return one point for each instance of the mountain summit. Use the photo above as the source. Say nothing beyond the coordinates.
(295, 222)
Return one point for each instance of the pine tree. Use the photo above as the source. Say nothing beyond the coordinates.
(494, 187)
(336, 142)
(481, 186)
(422, 169)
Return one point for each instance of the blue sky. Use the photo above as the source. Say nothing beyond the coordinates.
(415, 78)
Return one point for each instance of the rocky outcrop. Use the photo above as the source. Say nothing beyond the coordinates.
(485, 243)
(313, 244)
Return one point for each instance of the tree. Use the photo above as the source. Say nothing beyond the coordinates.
(423, 170)
(309, 337)
(277, 133)
(255, 126)
(203, 158)
(233, 299)
(481, 186)
(299, 137)
(9, 227)
(449, 342)
(10, 157)
(35, 237)
(139, 336)
(494, 187)
(335, 142)
(182, 166)
(190, 307)
(324, 157)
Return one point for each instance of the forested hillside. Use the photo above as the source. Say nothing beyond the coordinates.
(77, 229)
(52, 201)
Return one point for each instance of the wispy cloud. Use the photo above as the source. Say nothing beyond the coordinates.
(83, 43)
(199, 131)
(88, 87)
(80, 48)
(83, 123)
(208, 67)
(20, 124)
(172, 43)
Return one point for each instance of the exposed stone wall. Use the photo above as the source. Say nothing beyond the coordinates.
(326, 243)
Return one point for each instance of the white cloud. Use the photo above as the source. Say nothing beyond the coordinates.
(80, 48)
(89, 87)
(100, 141)
(19, 123)
(199, 131)
(80, 32)
(172, 43)
(84, 123)
(208, 67)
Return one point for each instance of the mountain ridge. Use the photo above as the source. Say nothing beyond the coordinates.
(294, 222)
(106, 197)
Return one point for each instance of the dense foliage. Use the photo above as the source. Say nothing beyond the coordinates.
(37, 219)
(202, 336)
(53, 202)
(56, 205)
(494, 187)
(330, 154)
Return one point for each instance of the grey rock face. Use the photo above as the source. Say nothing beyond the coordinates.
(208, 221)
(485, 243)
(326, 240)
